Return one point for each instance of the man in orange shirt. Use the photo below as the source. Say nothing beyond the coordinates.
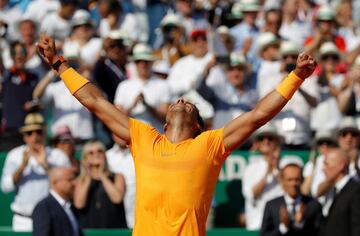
(176, 172)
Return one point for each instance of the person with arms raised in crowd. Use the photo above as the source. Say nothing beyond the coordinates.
(183, 155)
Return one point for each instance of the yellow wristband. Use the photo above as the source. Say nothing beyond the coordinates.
(73, 80)
(289, 85)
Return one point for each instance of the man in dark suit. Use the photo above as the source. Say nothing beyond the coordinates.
(292, 213)
(53, 215)
(342, 206)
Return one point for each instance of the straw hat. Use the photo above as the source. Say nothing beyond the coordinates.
(33, 121)
(325, 13)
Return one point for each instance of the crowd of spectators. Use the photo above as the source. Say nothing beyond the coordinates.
(222, 55)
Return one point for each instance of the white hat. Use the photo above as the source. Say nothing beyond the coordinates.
(222, 29)
(120, 35)
(266, 39)
(325, 13)
(348, 123)
(238, 59)
(268, 129)
(81, 17)
(250, 5)
(328, 48)
(324, 134)
(236, 11)
(161, 67)
(144, 52)
(171, 19)
(289, 48)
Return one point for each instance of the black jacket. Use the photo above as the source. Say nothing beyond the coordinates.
(344, 213)
(50, 219)
(271, 219)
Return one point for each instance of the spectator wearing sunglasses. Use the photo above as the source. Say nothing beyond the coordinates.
(99, 194)
(323, 141)
(25, 171)
(348, 141)
(260, 180)
(327, 115)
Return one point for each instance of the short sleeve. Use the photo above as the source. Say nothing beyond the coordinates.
(216, 148)
(139, 134)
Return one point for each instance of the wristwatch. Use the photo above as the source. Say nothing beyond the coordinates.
(57, 64)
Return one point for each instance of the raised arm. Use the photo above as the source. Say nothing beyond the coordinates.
(85, 92)
(239, 129)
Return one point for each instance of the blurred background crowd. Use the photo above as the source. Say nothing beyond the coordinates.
(222, 55)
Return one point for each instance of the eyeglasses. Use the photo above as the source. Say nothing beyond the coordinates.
(269, 138)
(38, 132)
(330, 57)
(346, 133)
(98, 151)
(325, 142)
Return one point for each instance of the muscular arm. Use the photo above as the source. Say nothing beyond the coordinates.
(239, 129)
(88, 94)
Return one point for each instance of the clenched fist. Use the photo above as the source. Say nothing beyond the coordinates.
(305, 65)
(47, 50)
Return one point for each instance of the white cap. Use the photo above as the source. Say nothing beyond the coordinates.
(171, 19)
(289, 48)
(250, 5)
(324, 134)
(325, 13)
(268, 129)
(236, 11)
(144, 52)
(161, 67)
(81, 17)
(222, 29)
(120, 35)
(266, 39)
(238, 59)
(328, 48)
(348, 123)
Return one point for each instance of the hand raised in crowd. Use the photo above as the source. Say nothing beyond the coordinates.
(284, 216)
(273, 161)
(305, 65)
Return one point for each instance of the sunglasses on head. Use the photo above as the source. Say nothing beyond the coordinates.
(98, 151)
(38, 132)
(333, 57)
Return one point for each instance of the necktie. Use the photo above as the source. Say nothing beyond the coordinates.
(293, 211)
(74, 225)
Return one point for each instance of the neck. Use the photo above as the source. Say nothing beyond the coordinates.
(62, 195)
(178, 131)
(342, 175)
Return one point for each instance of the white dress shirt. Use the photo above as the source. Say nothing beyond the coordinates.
(121, 161)
(254, 207)
(33, 185)
(55, 26)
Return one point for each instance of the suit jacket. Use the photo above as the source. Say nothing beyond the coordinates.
(271, 219)
(344, 213)
(50, 219)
